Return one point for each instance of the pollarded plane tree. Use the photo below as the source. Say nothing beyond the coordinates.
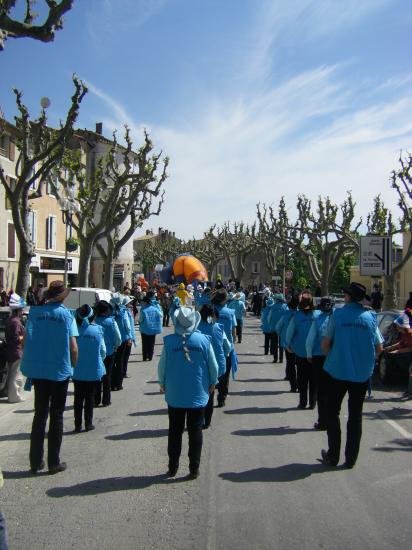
(206, 252)
(380, 222)
(39, 150)
(321, 236)
(28, 25)
(234, 243)
(158, 251)
(109, 190)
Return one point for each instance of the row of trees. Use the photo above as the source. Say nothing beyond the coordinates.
(319, 244)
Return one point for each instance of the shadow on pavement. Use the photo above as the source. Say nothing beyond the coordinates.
(253, 363)
(272, 431)
(394, 412)
(288, 472)
(111, 484)
(254, 354)
(24, 411)
(22, 474)
(401, 445)
(15, 437)
(152, 382)
(258, 392)
(152, 393)
(138, 434)
(260, 380)
(257, 410)
(149, 413)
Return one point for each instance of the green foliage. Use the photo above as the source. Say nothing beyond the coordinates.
(341, 277)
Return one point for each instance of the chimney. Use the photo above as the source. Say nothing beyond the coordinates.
(99, 128)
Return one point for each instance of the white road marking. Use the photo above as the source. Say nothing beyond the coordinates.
(404, 433)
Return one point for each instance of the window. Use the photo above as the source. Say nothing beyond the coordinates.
(32, 223)
(4, 146)
(52, 187)
(255, 267)
(12, 182)
(11, 240)
(51, 233)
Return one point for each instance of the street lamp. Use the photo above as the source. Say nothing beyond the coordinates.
(68, 206)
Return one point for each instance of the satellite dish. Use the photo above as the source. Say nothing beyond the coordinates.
(45, 102)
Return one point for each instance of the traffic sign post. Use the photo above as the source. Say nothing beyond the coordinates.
(375, 259)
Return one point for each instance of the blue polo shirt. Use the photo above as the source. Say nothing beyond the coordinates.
(353, 332)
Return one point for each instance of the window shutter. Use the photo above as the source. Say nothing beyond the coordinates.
(52, 232)
(12, 150)
(11, 241)
(48, 233)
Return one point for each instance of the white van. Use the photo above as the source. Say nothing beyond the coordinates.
(84, 295)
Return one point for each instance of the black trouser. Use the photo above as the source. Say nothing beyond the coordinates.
(209, 409)
(105, 383)
(269, 342)
(126, 355)
(291, 369)
(166, 317)
(195, 421)
(336, 392)
(239, 329)
(306, 380)
(83, 397)
(223, 383)
(117, 371)
(322, 385)
(277, 348)
(49, 397)
(148, 344)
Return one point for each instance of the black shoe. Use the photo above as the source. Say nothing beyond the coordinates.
(35, 469)
(59, 468)
(194, 474)
(172, 471)
(126, 376)
(106, 404)
(326, 458)
(312, 406)
(90, 428)
(274, 361)
(319, 426)
(77, 429)
(286, 378)
(348, 465)
(301, 406)
(206, 426)
(221, 403)
(293, 390)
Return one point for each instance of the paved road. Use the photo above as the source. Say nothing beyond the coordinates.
(261, 485)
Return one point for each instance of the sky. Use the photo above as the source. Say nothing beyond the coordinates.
(252, 100)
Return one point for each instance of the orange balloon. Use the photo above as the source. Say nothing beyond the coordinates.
(190, 268)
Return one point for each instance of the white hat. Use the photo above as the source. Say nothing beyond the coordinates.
(16, 302)
(402, 321)
(127, 300)
(186, 320)
(116, 299)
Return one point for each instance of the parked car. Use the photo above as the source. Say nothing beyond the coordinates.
(84, 295)
(391, 368)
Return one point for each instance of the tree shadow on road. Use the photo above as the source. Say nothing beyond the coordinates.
(15, 437)
(257, 410)
(155, 412)
(260, 380)
(111, 484)
(401, 445)
(285, 473)
(394, 412)
(138, 434)
(257, 392)
(282, 430)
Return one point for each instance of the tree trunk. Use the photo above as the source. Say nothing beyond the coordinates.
(86, 249)
(109, 266)
(390, 300)
(23, 273)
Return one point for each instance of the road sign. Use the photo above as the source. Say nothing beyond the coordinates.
(375, 257)
(288, 275)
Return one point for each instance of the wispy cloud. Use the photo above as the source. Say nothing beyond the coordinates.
(108, 18)
(314, 132)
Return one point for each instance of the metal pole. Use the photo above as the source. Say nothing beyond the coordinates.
(284, 270)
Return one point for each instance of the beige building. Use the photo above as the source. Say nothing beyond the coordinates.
(47, 229)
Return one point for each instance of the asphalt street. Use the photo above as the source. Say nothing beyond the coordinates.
(261, 485)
